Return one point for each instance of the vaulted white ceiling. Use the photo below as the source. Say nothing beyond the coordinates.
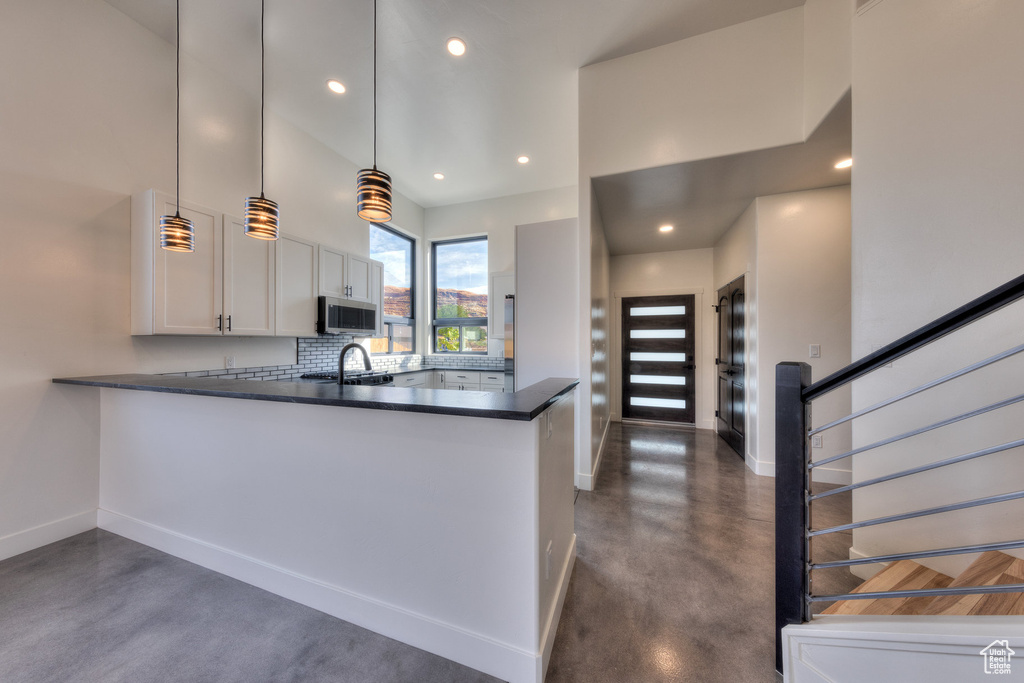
(513, 93)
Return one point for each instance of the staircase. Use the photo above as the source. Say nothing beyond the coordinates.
(908, 622)
(990, 569)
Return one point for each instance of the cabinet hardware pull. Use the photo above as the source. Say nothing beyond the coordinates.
(220, 323)
(229, 323)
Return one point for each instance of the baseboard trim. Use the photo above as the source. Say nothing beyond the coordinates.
(587, 481)
(555, 613)
(829, 475)
(23, 541)
(465, 647)
(759, 467)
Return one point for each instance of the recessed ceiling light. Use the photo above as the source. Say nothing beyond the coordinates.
(523, 159)
(666, 228)
(845, 164)
(336, 86)
(439, 176)
(456, 46)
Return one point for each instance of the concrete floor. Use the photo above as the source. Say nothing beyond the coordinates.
(673, 582)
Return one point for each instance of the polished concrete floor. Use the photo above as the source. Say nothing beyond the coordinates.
(673, 582)
(674, 579)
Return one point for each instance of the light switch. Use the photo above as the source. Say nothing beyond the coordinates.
(815, 351)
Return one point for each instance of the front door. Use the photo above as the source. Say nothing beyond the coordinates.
(657, 358)
(732, 406)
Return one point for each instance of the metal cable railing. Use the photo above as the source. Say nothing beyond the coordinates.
(794, 394)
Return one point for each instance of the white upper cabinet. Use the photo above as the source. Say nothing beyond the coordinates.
(345, 276)
(249, 282)
(332, 273)
(172, 292)
(225, 287)
(359, 277)
(297, 286)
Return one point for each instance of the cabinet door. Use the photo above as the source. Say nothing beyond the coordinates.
(188, 288)
(439, 379)
(332, 273)
(249, 282)
(359, 278)
(377, 294)
(297, 287)
(495, 388)
(411, 379)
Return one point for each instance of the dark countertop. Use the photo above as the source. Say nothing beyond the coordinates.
(525, 404)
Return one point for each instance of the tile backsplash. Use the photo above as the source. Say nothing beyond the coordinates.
(320, 354)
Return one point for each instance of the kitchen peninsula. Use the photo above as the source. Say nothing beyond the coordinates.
(442, 519)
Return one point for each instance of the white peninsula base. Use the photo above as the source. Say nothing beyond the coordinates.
(453, 534)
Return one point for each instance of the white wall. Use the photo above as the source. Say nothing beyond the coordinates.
(496, 218)
(88, 121)
(803, 298)
(937, 206)
(735, 255)
(828, 43)
(670, 272)
(727, 91)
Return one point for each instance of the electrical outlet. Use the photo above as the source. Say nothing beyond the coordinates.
(229, 362)
(547, 562)
(816, 441)
(815, 351)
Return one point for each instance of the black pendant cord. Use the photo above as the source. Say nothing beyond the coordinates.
(263, 84)
(375, 85)
(177, 109)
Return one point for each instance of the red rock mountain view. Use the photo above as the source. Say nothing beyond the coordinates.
(396, 301)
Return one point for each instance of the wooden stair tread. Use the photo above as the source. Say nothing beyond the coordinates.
(987, 570)
(1004, 603)
(902, 575)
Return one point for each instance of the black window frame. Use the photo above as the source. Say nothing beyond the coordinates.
(387, 321)
(454, 322)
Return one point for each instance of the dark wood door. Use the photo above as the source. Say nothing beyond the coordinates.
(657, 358)
(732, 405)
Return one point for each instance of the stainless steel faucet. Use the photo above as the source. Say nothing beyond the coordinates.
(341, 360)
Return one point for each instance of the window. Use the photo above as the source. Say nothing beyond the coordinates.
(460, 295)
(398, 253)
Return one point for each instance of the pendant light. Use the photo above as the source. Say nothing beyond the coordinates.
(177, 233)
(373, 187)
(261, 214)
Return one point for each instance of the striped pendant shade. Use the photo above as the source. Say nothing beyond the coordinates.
(373, 195)
(177, 234)
(261, 218)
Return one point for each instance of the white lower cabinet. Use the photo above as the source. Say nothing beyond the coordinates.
(411, 379)
(462, 380)
(492, 381)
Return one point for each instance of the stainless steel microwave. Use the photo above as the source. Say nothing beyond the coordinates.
(337, 316)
